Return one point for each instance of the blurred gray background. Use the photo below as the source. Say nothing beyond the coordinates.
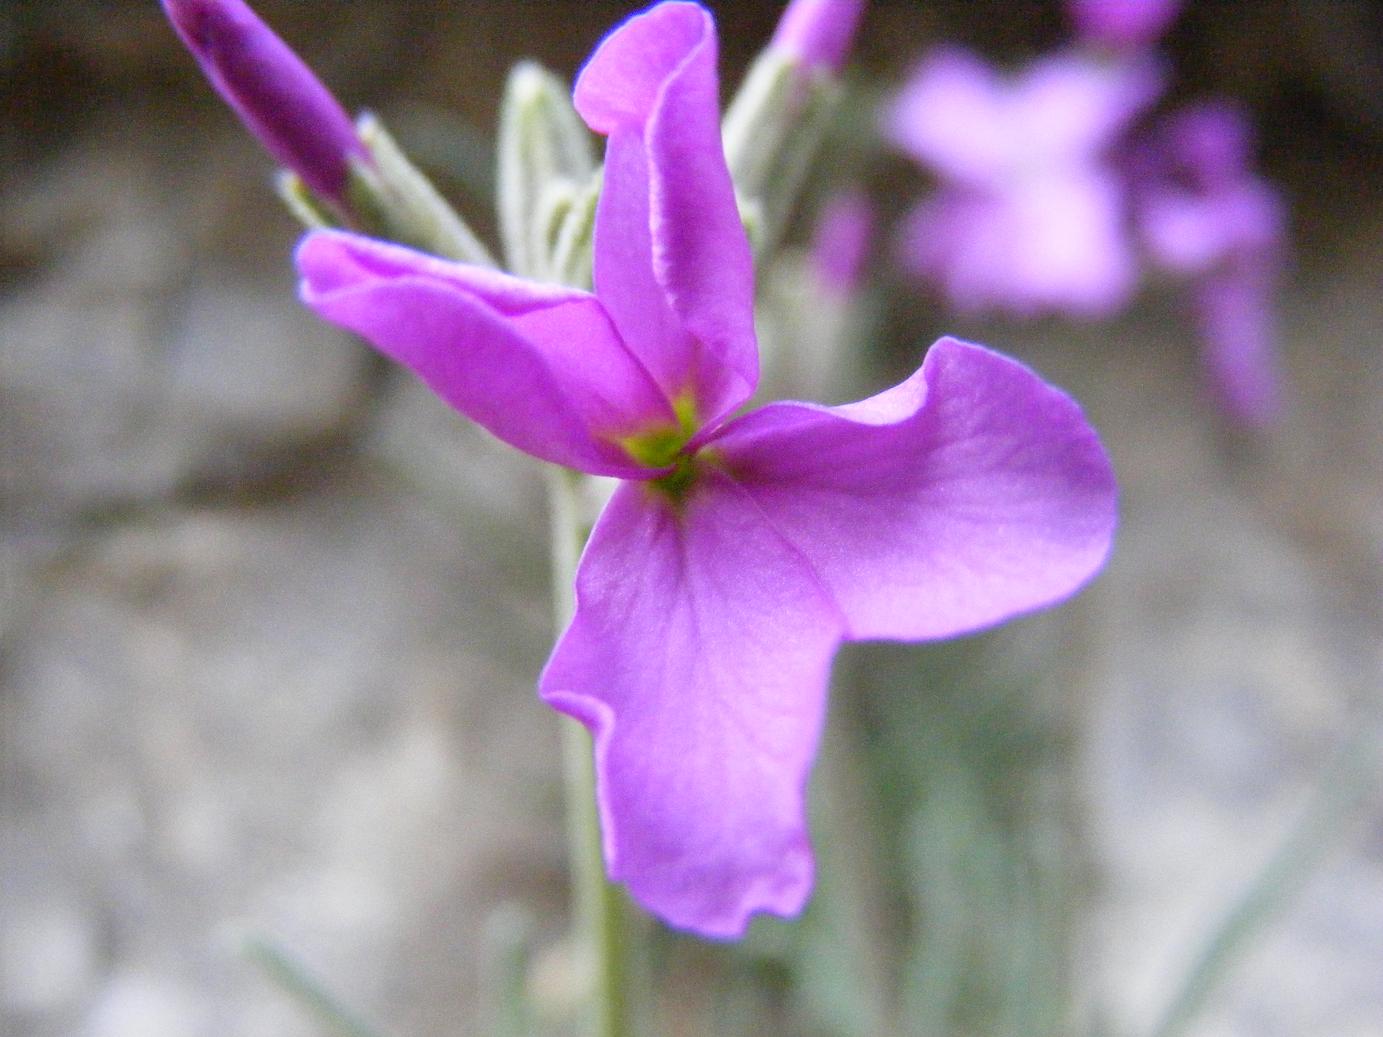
(272, 616)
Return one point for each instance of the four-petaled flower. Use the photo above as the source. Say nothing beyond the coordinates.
(1029, 217)
(739, 552)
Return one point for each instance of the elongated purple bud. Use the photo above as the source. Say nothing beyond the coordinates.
(840, 246)
(818, 32)
(1122, 24)
(272, 90)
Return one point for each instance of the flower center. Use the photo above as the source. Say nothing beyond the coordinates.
(677, 482)
(660, 445)
(664, 446)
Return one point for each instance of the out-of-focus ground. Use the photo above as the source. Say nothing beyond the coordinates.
(272, 615)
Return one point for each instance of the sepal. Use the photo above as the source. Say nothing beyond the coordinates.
(545, 161)
(392, 199)
(772, 131)
(572, 248)
(311, 211)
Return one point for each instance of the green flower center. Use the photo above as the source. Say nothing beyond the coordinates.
(664, 446)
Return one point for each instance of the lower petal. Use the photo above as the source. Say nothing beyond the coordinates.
(699, 656)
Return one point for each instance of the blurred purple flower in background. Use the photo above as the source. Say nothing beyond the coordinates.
(1121, 24)
(1033, 216)
(841, 242)
(1198, 199)
(276, 95)
(1207, 218)
(739, 552)
(1029, 217)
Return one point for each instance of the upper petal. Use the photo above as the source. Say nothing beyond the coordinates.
(1071, 106)
(952, 115)
(538, 365)
(699, 656)
(976, 125)
(672, 262)
(968, 494)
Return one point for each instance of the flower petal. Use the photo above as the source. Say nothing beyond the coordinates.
(1070, 106)
(968, 494)
(972, 124)
(1051, 243)
(952, 115)
(538, 365)
(672, 262)
(1188, 233)
(699, 657)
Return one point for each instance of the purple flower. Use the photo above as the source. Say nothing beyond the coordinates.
(1208, 219)
(818, 32)
(275, 94)
(1198, 199)
(1028, 217)
(739, 552)
(840, 246)
(1123, 24)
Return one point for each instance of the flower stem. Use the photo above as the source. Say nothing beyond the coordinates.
(1346, 788)
(293, 978)
(599, 909)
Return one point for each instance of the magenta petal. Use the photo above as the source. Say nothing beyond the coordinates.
(538, 365)
(952, 115)
(672, 262)
(968, 494)
(971, 124)
(1190, 233)
(1051, 243)
(1068, 106)
(1210, 144)
(699, 657)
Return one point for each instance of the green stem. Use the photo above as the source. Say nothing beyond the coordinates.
(291, 976)
(599, 910)
(1345, 787)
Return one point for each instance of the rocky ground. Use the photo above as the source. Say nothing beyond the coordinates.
(272, 616)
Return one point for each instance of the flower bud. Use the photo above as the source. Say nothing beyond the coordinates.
(779, 115)
(841, 243)
(275, 94)
(1122, 24)
(818, 32)
(545, 167)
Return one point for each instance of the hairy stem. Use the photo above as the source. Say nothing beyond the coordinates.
(599, 923)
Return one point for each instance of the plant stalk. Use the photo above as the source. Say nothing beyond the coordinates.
(599, 930)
